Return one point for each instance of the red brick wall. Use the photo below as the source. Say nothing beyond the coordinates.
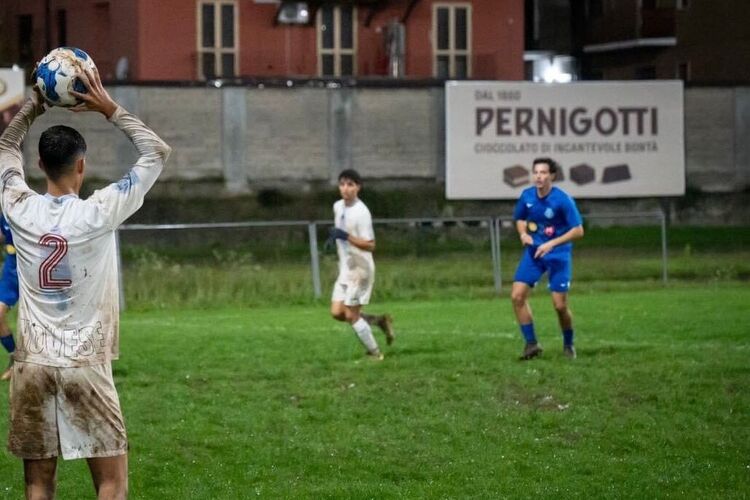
(279, 50)
(159, 38)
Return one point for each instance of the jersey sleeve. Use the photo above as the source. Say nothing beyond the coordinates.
(365, 229)
(13, 185)
(520, 212)
(572, 215)
(121, 199)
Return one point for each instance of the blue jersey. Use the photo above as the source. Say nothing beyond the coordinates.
(9, 263)
(9, 279)
(549, 217)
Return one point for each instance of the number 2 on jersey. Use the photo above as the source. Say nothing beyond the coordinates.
(60, 244)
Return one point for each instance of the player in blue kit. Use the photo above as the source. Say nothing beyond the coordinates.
(547, 221)
(8, 293)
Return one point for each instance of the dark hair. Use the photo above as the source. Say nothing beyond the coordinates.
(352, 175)
(59, 147)
(552, 164)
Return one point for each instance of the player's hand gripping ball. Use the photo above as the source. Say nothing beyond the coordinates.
(58, 73)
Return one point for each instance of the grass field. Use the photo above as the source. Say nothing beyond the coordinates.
(277, 402)
(197, 270)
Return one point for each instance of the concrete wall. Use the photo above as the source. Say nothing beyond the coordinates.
(246, 138)
(717, 133)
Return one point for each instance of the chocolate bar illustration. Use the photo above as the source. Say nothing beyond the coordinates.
(616, 173)
(516, 176)
(582, 174)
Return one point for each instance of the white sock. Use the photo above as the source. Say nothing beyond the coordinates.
(364, 332)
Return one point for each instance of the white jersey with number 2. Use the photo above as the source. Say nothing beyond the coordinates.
(68, 312)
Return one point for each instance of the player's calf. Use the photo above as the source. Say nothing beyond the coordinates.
(384, 322)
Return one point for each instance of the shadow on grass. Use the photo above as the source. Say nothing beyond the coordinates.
(609, 350)
(414, 351)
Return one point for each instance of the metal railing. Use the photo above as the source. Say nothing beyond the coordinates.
(494, 228)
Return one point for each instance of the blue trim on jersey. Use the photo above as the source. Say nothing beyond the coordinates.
(548, 217)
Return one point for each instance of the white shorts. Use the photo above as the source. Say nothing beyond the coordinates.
(73, 412)
(353, 288)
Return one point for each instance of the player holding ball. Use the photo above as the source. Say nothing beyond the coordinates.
(63, 400)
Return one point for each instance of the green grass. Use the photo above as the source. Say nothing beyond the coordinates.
(157, 282)
(277, 402)
(261, 268)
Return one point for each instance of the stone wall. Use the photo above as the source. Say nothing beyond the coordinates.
(241, 139)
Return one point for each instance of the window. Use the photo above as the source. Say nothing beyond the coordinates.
(25, 30)
(683, 71)
(62, 28)
(337, 35)
(217, 39)
(451, 40)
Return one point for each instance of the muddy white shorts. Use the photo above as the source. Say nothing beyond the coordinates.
(353, 288)
(73, 412)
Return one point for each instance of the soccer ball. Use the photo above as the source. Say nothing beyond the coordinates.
(58, 72)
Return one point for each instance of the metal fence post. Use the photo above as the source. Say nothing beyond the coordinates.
(494, 251)
(312, 232)
(120, 279)
(498, 227)
(663, 247)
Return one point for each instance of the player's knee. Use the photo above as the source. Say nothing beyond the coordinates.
(338, 312)
(561, 307)
(518, 298)
(40, 491)
(113, 488)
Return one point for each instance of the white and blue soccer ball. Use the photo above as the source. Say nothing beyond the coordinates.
(58, 72)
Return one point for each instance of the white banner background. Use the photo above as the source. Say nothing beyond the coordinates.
(492, 127)
(11, 95)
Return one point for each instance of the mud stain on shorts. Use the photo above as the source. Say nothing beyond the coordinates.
(30, 434)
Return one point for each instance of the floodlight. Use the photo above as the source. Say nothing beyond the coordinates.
(293, 13)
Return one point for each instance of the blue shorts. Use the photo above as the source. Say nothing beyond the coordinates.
(9, 288)
(559, 265)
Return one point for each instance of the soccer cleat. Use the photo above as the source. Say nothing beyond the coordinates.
(530, 351)
(386, 324)
(569, 351)
(375, 355)
(8, 373)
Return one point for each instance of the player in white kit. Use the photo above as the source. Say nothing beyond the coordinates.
(355, 242)
(62, 398)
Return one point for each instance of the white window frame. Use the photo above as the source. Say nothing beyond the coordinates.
(337, 51)
(217, 50)
(451, 51)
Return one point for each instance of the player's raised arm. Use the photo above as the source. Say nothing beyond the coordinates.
(119, 200)
(12, 137)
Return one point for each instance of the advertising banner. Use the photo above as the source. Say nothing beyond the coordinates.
(11, 95)
(612, 139)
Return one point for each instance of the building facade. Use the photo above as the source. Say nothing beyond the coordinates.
(194, 40)
(698, 41)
